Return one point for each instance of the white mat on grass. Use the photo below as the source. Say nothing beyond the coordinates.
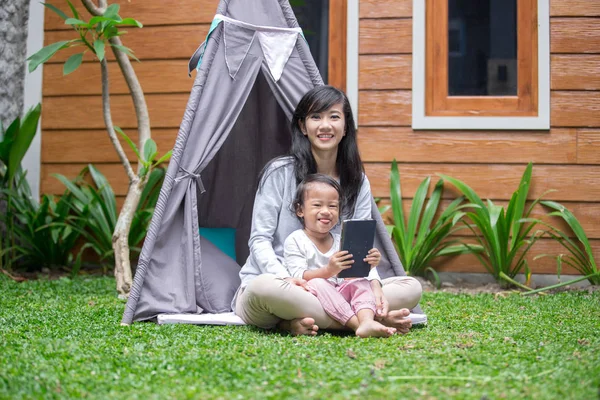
(232, 319)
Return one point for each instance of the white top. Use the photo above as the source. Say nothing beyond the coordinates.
(301, 254)
(273, 220)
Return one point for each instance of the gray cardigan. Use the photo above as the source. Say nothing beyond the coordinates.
(273, 220)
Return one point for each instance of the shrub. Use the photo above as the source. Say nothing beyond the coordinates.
(41, 235)
(94, 207)
(505, 235)
(14, 143)
(580, 259)
(421, 238)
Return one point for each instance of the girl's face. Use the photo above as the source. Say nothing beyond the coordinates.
(320, 209)
(326, 129)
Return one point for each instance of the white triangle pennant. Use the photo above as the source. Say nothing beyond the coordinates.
(277, 48)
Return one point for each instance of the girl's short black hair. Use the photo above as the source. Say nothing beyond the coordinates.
(303, 186)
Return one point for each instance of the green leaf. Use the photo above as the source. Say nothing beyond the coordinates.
(97, 19)
(396, 197)
(99, 48)
(129, 142)
(149, 150)
(430, 210)
(416, 208)
(23, 140)
(465, 189)
(46, 53)
(131, 22)
(72, 63)
(108, 196)
(75, 21)
(435, 278)
(164, 158)
(576, 227)
(8, 139)
(125, 50)
(103, 26)
(112, 12)
(73, 10)
(520, 199)
(56, 10)
(110, 31)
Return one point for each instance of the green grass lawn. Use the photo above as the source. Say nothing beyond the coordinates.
(62, 339)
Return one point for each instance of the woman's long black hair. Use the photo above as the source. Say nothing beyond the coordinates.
(348, 162)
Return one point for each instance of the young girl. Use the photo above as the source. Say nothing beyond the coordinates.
(312, 254)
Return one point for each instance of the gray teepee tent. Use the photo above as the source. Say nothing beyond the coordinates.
(252, 70)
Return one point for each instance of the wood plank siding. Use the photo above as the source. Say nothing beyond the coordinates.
(566, 158)
(73, 132)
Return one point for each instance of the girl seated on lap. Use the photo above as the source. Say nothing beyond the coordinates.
(313, 254)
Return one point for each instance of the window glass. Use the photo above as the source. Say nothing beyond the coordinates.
(482, 47)
(313, 17)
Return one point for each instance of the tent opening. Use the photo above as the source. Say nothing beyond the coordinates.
(261, 132)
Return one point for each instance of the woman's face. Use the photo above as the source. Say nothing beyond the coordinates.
(326, 129)
(320, 209)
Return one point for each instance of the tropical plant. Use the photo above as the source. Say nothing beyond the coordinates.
(95, 35)
(505, 235)
(421, 238)
(94, 209)
(580, 259)
(14, 143)
(43, 234)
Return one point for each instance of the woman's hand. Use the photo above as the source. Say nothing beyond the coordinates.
(381, 303)
(298, 282)
(373, 257)
(339, 262)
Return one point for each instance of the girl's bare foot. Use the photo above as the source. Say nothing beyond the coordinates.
(374, 329)
(300, 326)
(398, 319)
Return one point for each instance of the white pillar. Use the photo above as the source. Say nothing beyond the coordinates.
(33, 94)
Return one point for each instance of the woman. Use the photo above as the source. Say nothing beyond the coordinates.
(323, 141)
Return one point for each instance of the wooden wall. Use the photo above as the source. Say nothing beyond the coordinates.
(567, 158)
(73, 132)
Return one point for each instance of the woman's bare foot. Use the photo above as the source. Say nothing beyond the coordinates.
(300, 326)
(398, 319)
(374, 329)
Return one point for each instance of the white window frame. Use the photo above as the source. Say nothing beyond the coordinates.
(422, 121)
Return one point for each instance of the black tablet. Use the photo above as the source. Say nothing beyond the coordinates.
(358, 236)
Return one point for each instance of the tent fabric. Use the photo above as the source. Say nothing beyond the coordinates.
(277, 44)
(236, 120)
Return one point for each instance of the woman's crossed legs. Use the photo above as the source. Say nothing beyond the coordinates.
(268, 301)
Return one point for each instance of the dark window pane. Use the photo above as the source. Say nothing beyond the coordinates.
(482, 47)
(313, 17)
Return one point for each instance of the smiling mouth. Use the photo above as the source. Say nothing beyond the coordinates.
(325, 136)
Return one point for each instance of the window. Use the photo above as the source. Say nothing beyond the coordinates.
(324, 25)
(481, 64)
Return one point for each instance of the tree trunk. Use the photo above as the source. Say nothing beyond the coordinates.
(120, 239)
